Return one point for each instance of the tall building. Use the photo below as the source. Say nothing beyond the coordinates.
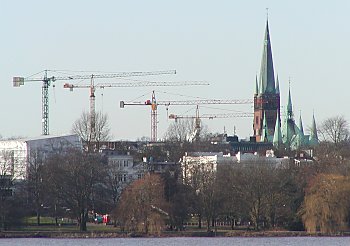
(16, 155)
(267, 124)
(266, 96)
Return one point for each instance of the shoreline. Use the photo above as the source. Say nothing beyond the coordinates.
(101, 234)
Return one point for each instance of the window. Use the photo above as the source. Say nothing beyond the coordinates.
(124, 177)
(120, 178)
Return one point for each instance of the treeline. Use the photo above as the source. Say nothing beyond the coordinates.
(312, 196)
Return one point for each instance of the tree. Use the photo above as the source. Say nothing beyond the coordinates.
(70, 177)
(180, 198)
(35, 185)
(335, 129)
(326, 204)
(202, 177)
(178, 131)
(183, 129)
(82, 127)
(260, 192)
(142, 205)
(10, 170)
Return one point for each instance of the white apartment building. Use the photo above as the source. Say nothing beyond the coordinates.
(203, 161)
(16, 155)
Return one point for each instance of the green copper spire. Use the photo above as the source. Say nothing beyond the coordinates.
(301, 126)
(267, 77)
(265, 130)
(313, 134)
(277, 86)
(256, 86)
(289, 105)
(299, 141)
(277, 137)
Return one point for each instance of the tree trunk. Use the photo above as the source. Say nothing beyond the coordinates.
(82, 222)
(208, 224)
(38, 216)
(200, 221)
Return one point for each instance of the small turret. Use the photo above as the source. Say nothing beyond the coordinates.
(277, 86)
(265, 130)
(301, 128)
(313, 135)
(289, 105)
(277, 137)
(256, 92)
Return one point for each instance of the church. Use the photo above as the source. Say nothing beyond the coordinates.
(269, 125)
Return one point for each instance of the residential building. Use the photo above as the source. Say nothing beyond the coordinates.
(16, 155)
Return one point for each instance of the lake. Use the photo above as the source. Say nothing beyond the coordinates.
(181, 241)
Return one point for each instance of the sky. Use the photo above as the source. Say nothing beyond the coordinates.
(219, 42)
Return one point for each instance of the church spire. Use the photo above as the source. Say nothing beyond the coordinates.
(289, 105)
(265, 130)
(277, 86)
(277, 137)
(256, 86)
(267, 78)
(313, 134)
(301, 125)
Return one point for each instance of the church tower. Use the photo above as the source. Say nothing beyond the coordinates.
(267, 95)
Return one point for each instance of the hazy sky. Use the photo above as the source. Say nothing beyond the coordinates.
(215, 41)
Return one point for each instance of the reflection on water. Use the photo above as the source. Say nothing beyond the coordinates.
(183, 241)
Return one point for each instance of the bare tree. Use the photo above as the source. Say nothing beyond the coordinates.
(261, 191)
(202, 177)
(183, 130)
(92, 137)
(35, 185)
(71, 177)
(178, 130)
(335, 129)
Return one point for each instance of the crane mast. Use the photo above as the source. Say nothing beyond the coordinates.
(45, 104)
(154, 118)
(197, 118)
(92, 86)
(46, 83)
(154, 104)
(92, 110)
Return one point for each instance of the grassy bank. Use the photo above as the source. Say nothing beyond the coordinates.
(68, 229)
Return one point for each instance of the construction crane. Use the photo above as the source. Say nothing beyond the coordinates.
(154, 104)
(92, 86)
(47, 81)
(197, 120)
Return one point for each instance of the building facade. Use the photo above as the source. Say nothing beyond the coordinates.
(16, 155)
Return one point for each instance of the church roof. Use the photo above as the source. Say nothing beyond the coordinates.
(267, 77)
